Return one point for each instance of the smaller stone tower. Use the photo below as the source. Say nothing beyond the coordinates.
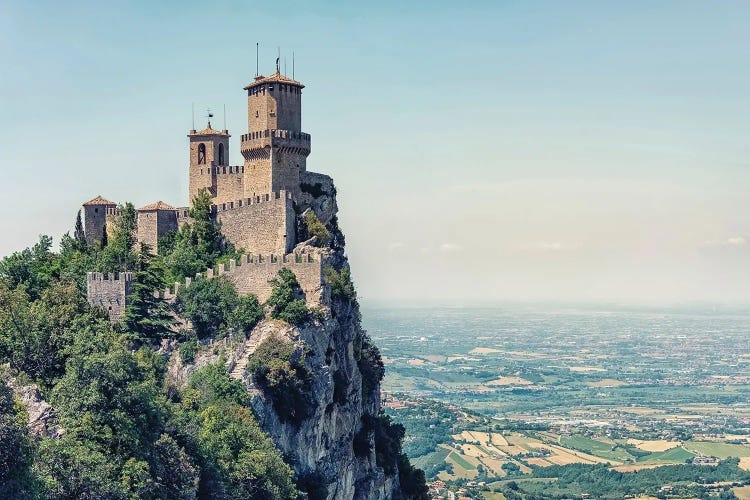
(95, 218)
(209, 150)
(109, 292)
(275, 148)
(154, 222)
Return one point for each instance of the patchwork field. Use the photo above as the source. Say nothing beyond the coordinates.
(657, 445)
(719, 450)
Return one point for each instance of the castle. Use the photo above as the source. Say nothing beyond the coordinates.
(256, 203)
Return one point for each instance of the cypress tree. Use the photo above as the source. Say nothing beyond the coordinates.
(147, 318)
(78, 234)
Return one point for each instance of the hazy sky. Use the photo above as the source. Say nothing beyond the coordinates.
(500, 150)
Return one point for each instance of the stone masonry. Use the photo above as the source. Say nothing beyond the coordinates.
(109, 292)
(254, 202)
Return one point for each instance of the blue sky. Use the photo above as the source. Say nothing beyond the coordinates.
(484, 150)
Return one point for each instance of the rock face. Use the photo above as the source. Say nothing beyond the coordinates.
(42, 417)
(320, 448)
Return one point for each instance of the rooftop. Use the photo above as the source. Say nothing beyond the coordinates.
(99, 200)
(209, 131)
(276, 77)
(159, 205)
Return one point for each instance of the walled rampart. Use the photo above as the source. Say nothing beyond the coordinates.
(109, 292)
(251, 275)
(259, 225)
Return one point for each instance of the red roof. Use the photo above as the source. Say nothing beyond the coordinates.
(100, 201)
(276, 77)
(159, 205)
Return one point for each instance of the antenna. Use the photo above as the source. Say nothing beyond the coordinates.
(225, 117)
(278, 58)
(292, 65)
(284, 66)
(256, 58)
(192, 109)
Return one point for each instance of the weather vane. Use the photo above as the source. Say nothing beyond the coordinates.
(209, 115)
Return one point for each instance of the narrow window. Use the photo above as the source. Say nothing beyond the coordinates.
(221, 154)
(201, 154)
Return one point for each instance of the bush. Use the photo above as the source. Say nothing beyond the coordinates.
(214, 308)
(247, 313)
(314, 226)
(370, 365)
(188, 350)
(278, 367)
(284, 301)
(340, 283)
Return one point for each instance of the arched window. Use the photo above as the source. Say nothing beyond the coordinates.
(221, 154)
(201, 154)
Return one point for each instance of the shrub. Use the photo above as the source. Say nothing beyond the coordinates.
(188, 350)
(209, 304)
(278, 367)
(284, 301)
(340, 283)
(314, 226)
(370, 365)
(247, 313)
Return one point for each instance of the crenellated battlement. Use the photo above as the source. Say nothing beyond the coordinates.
(98, 277)
(251, 275)
(222, 170)
(109, 292)
(255, 200)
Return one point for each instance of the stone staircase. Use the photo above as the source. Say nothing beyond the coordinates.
(247, 350)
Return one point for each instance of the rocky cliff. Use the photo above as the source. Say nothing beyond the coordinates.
(333, 448)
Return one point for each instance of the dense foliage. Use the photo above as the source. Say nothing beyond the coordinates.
(278, 367)
(126, 434)
(286, 301)
(215, 309)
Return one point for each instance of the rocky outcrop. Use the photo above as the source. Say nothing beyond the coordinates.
(42, 417)
(320, 448)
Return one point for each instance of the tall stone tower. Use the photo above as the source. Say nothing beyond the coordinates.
(209, 151)
(275, 148)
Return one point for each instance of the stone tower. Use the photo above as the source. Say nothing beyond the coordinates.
(275, 148)
(95, 218)
(209, 151)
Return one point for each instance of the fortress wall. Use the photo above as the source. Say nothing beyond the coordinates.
(251, 275)
(259, 225)
(230, 183)
(286, 169)
(109, 292)
(154, 224)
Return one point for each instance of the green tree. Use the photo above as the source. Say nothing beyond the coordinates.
(16, 450)
(34, 268)
(147, 317)
(278, 367)
(79, 236)
(285, 301)
(119, 253)
(208, 304)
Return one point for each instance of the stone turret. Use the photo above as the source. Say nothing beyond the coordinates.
(275, 148)
(109, 292)
(209, 152)
(95, 214)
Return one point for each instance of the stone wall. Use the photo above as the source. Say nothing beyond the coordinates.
(154, 225)
(230, 184)
(109, 292)
(251, 275)
(95, 222)
(259, 225)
